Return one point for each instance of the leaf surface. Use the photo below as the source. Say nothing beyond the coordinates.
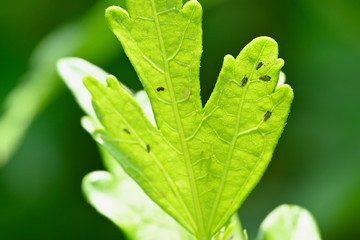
(114, 194)
(121, 200)
(199, 164)
(289, 222)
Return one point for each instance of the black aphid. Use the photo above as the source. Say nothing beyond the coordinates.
(160, 89)
(148, 148)
(127, 131)
(259, 65)
(244, 81)
(267, 115)
(265, 78)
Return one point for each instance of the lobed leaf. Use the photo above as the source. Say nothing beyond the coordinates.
(198, 164)
(239, 137)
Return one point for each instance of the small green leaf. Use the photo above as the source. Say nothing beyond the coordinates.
(199, 164)
(289, 222)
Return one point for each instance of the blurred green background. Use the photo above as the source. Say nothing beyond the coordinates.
(316, 164)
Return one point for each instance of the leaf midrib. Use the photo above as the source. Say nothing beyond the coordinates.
(233, 142)
(193, 187)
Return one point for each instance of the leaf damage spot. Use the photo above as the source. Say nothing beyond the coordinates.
(267, 115)
(187, 93)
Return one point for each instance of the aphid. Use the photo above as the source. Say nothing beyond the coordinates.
(148, 148)
(259, 65)
(265, 78)
(160, 89)
(244, 81)
(127, 131)
(267, 115)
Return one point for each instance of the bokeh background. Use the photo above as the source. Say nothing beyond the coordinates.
(317, 161)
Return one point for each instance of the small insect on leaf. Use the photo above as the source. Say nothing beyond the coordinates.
(148, 148)
(265, 78)
(160, 89)
(244, 81)
(267, 115)
(259, 66)
(127, 131)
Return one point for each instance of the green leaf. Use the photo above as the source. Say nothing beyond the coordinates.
(114, 194)
(289, 222)
(72, 71)
(199, 164)
(120, 199)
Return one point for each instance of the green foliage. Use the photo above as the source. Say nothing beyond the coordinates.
(114, 194)
(119, 198)
(289, 222)
(198, 164)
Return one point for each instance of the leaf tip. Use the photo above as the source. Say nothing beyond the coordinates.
(194, 8)
(115, 10)
(286, 90)
(280, 62)
(229, 60)
(117, 14)
(229, 57)
(194, 3)
(88, 80)
(112, 82)
(268, 40)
